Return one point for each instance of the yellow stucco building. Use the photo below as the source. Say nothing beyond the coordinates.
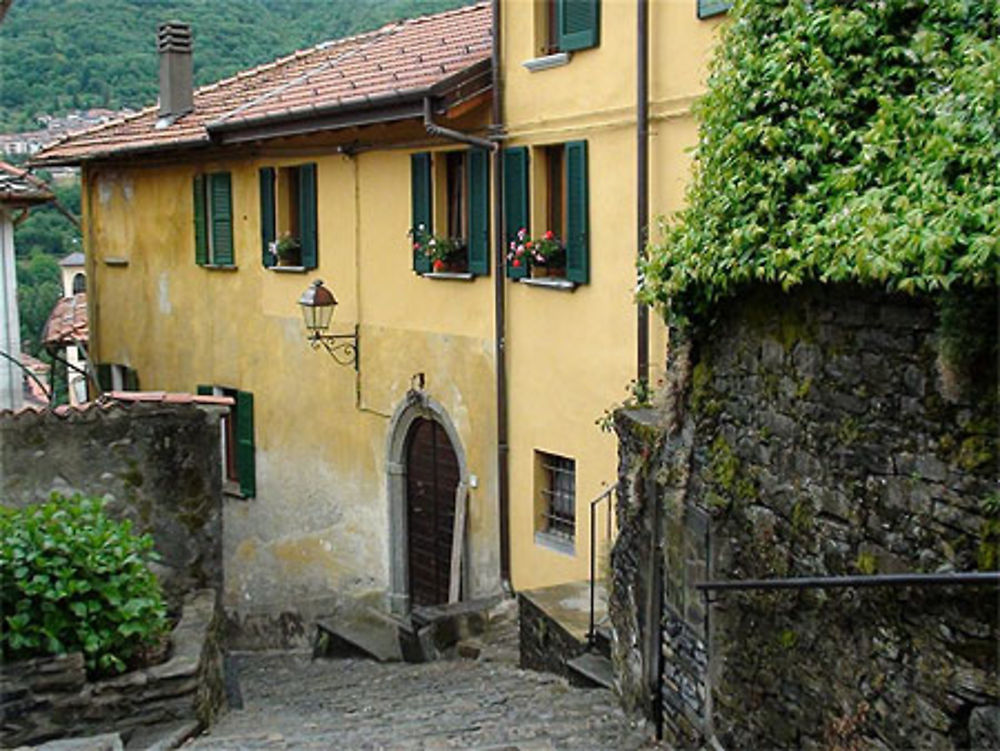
(456, 447)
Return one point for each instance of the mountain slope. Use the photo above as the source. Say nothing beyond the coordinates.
(58, 55)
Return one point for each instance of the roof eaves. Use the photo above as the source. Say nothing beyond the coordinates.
(368, 109)
(116, 151)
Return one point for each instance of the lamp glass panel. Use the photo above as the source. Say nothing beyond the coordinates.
(317, 317)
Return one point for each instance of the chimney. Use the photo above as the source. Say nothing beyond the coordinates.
(173, 40)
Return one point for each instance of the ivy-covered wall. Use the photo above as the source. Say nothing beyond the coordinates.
(828, 431)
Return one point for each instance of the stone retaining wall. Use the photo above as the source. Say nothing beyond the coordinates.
(158, 464)
(829, 431)
(50, 697)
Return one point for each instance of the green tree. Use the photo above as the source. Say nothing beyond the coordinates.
(841, 141)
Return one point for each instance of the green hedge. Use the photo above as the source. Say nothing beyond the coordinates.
(71, 579)
(841, 141)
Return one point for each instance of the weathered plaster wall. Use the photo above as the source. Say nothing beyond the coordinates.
(158, 465)
(570, 355)
(829, 431)
(317, 531)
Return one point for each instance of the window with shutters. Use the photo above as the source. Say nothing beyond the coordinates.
(555, 483)
(213, 220)
(288, 217)
(236, 442)
(566, 25)
(709, 8)
(450, 213)
(116, 377)
(557, 252)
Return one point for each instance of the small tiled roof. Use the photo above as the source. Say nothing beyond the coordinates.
(19, 187)
(115, 400)
(68, 322)
(402, 59)
(73, 259)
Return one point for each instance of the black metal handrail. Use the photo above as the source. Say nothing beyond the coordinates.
(970, 578)
(606, 494)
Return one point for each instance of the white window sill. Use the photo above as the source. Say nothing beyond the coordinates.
(219, 267)
(549, 282)
(115, 261)
(231, 489)
(288, 269)
(557, 543)
(548, 61)
(462, 276)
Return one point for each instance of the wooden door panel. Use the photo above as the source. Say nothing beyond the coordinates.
(432, 476)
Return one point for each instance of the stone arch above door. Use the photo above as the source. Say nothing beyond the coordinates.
(416, 405)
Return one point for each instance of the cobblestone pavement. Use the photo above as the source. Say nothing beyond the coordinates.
(293, 702)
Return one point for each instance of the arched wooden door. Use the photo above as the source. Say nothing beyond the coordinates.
(432, 477)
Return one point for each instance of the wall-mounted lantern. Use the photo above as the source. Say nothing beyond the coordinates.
(317, 304)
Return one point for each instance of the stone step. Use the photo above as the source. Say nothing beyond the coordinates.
(162, 737)
(602, 639)
(372, 633)
(593, 668)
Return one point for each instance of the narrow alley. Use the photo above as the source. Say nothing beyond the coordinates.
(291, 701)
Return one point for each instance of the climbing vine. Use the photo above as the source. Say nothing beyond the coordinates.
(841, 141)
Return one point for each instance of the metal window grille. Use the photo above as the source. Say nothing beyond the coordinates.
(559, 495)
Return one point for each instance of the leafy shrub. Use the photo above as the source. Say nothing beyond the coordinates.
(71, 579)
(841, 141)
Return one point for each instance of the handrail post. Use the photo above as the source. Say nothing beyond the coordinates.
(592, 631)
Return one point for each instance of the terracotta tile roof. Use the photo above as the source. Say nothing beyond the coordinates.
(401, 59)
(73, 259)
(68, 322)
(167, 397)
(118, 400)
(19, 187)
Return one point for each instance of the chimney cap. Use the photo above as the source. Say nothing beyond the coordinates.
(173, 36)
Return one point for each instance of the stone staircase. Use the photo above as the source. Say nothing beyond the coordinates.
(426, 634)
(554, 622)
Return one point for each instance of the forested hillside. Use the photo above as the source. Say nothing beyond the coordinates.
(59, 55)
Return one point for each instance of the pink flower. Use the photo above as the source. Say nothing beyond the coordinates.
(516, 262)
(416, 246)
(549, 235)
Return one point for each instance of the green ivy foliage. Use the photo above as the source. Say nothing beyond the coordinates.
(71, 579)
(841, 141)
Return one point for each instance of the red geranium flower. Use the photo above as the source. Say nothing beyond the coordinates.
(516, 263)
(549, 235)
(438, 265)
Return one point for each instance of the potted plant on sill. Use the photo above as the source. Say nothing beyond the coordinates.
(446, 254)
(288, 251)
(545, 256)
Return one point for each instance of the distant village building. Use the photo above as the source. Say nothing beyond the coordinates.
(55, 127)
(18, 192)
(67, 329)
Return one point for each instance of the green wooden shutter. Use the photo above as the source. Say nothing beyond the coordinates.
(204, 390)
(707, 8)
(104, 376)
(131, 379)
(222, 218)
(577, 213)
(515, 199)
(267, 228)
(307, 216)
(579, 24)
(479, 211)
(420, 194)
(200, 233)
(245, 465)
